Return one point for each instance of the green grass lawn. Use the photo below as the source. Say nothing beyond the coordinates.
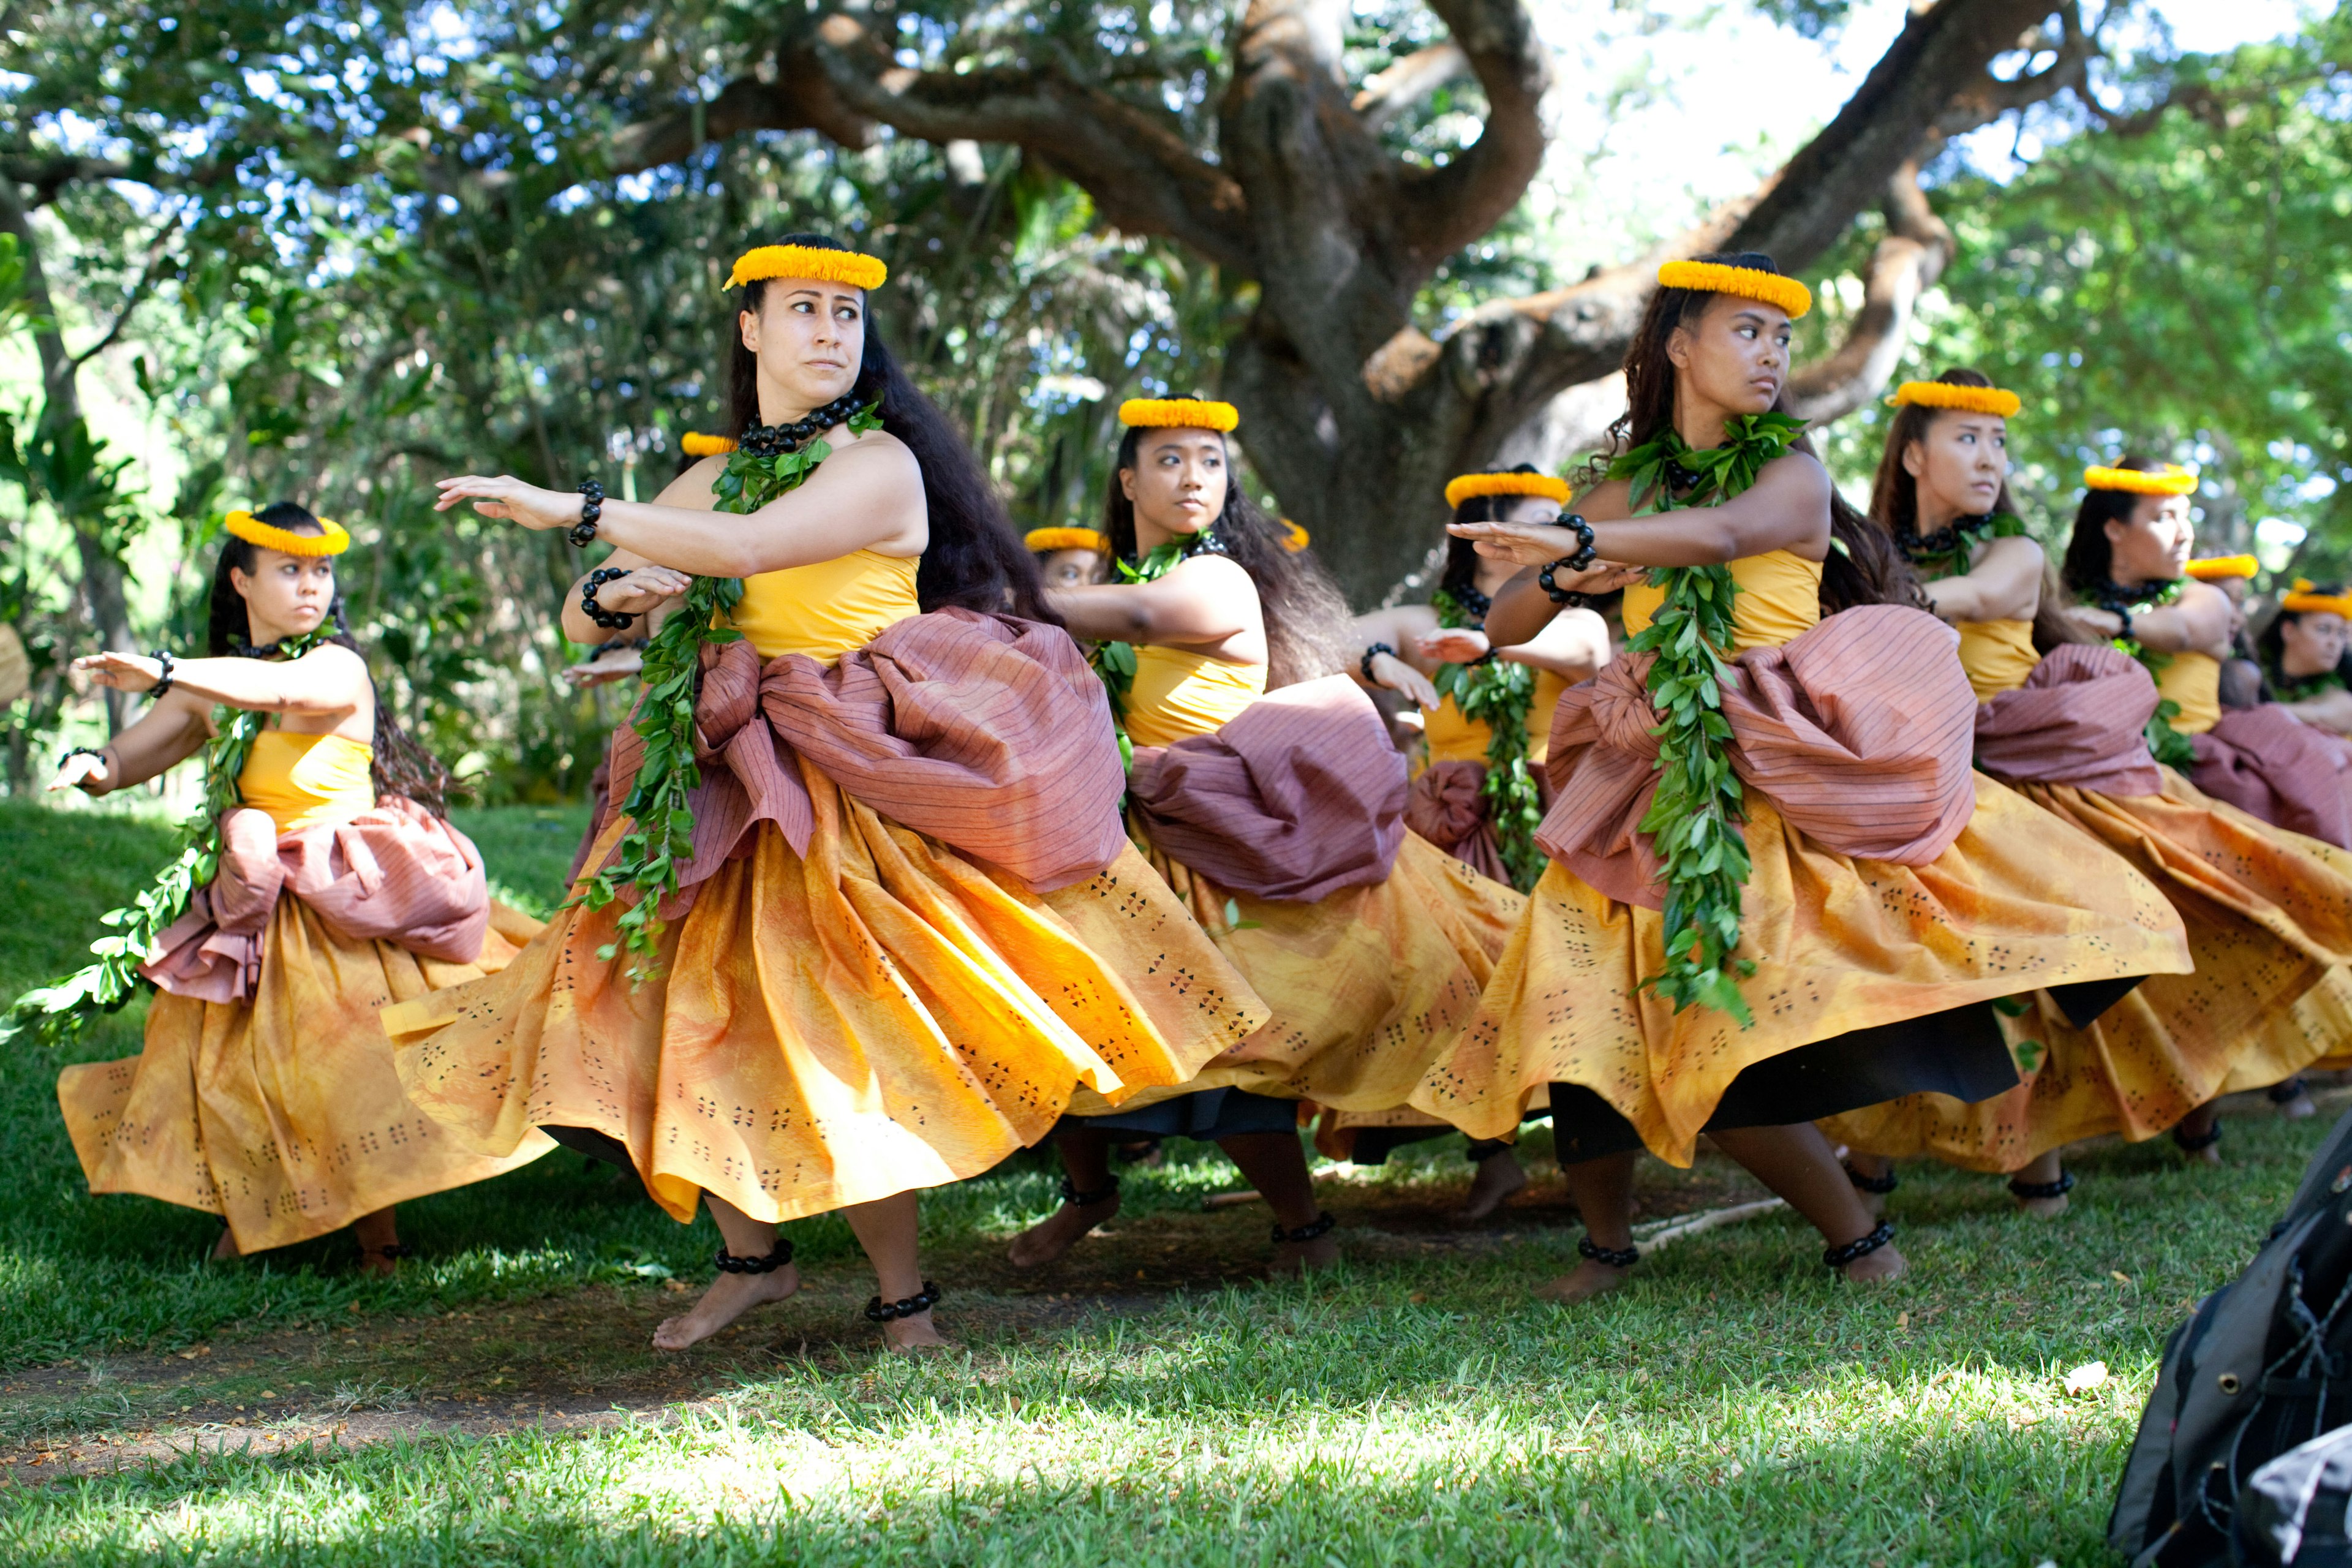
(1150, 1400)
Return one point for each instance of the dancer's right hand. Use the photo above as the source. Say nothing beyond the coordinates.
(644, 588)
(77, 771)
(1401, 677)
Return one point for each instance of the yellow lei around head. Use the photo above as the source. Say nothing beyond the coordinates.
(1045, 541)
(1716, 278)
(2306, 599)
(1177, 414)
(2222, 568)
(253, 531)
(695, 444)
(1467, 487)
(2171, 480)
(1969, 399)
(859, 271)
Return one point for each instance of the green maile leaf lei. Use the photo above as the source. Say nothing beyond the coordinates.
(661, 823)
(2298, 687)
(61, 1014)
(2169, 745)
(1950, 551)
(1694, 819)
(1502, 694)
(1114, 662)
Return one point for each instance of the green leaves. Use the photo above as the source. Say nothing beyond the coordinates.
(1693, 818)
(1500, 695)
(61, 1014)
(643, 870)
(1114, 662)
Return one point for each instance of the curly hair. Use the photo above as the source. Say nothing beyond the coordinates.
(399, 767)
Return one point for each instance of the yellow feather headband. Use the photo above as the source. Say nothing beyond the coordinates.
(695, 444)
(2306, 600)
(2221, 568)
(253, 531)
(848, 267)
(1177, 414)
(1295, 538)
(1464, 487)
(2171, 480)
(1045, 541)
(1968, 399)
(1715, 277)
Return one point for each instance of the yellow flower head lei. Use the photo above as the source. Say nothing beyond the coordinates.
(2171, 480)
(1968, 399)
(2222, 568)
(2306, 599)
(1046, 541)
(850, 266)
(1295, 538)
(1467, 486)
(1177, 414)
(695, 444)
(253, 531)
(1748, 282)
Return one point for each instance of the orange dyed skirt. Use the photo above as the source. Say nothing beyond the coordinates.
(880, 1016)
(1840, 944)
(1366, 986)
(2269, 917)
(282, 1114)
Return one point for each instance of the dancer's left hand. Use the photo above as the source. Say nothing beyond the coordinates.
(1455, 645)
(123, 671)
(509, 497)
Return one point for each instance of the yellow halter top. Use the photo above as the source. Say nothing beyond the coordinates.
(1998, 655)
(303, 781)
(1450, 738)
(1179, 694)
(1780, 599)
(828, 607)
(2193, 681)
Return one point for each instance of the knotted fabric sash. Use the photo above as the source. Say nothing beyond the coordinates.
(1858, 730)
(1448, 807)
(395, 873)
(2269, 763)
(1300, 794)
(2079, 719)
(987, 732)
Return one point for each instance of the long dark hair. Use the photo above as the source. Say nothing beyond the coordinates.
(2270, 647)
(1307, 623)
(2090, 560)
(400, 767)
(974, 559)
(1863, 566)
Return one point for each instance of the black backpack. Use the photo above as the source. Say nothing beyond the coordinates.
(2264, 1365)
(2291, 1514)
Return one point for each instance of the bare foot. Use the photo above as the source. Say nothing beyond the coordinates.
(2043, 1208)
(225, 1247)
(1294, 1258)
(2298, 1106)
(376, 1265)
(1587, 1279)
(1058, 1232)
(2209, 1155)
(729, 1297)
(1498, 1176)
(1879, 1266)
(914, 1336)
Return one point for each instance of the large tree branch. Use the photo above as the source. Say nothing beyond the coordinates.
(1445, 209)
(1406, 82)
(1915, 249)
(791, 92)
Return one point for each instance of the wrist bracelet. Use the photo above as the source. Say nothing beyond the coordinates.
(163, 681)
(596, 613)
(2124, 630)
(1569, 597)
(1365, 664)
(592, 508)
(71, 752)
(1585, 547)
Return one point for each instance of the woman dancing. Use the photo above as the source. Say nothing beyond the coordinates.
(2304, 658)
(896, 924)
(2265, 918)
(1266, 791)
(266, 1092)
(1791, 899)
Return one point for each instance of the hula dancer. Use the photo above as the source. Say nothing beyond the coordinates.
(1777, 891)
(266, 1092)
(1068, 557)
(866, 917)
(2268, 914)
(1266, 790)
(2303, 655)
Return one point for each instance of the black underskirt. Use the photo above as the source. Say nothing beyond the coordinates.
(1207, 1114)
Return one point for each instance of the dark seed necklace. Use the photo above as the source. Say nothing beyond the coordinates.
(781, 440)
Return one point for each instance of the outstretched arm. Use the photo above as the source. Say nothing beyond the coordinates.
(172, 729)
(1787, 507)
(326, 680)
(2198, 623)
(2006, 586)
(1203, 602)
